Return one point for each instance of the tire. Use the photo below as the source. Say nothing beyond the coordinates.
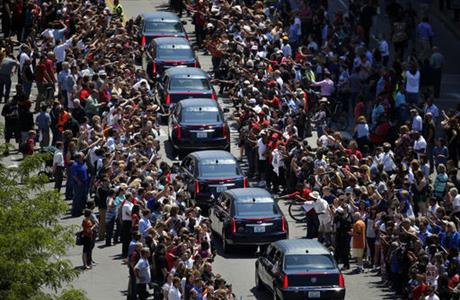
(340, 122)
(296, 212)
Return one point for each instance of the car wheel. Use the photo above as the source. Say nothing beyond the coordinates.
(259, 285)
(226, 247)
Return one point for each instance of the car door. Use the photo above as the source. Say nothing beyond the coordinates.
(220, 213)
(173, 119)
(187, 171)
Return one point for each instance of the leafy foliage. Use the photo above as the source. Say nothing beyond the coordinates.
(32, 242)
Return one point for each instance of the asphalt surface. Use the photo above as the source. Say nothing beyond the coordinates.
(109, 278)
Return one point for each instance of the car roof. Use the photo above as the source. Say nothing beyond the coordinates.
(163, 16)
(171, 40)
(212, 154)
(192, 102)
(249, 192)
(301, 246)
(186, 72)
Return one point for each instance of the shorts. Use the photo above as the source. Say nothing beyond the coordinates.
(357, 252)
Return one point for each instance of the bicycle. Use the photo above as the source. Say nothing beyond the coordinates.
(296, 209)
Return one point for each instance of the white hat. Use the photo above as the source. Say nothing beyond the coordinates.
(314, 195)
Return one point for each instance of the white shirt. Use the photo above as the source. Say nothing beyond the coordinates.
(433, 109)
(456, 203)
(126, 211)
(261, 148)
(412, 82)
(362, 130)
(383, 48)
(143, 268)
(22, 59)
(174, 293)
(417, 123)
(58, 159)
(59, 50)
(434, 297)
(420, 145)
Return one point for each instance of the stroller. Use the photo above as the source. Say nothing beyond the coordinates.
(47, 167)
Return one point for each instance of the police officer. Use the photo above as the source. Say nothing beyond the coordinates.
(118, 11)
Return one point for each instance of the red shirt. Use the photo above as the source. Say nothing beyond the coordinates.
(84, 93)
(40, 73)
(30, 146)
(50, 68)
(304, 194)
(419, 291)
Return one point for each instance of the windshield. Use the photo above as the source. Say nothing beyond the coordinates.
(200, 115)
(309, 262)
(252, 209)
(219, 168)
(189, 84)
(175, 52)
(163, 27)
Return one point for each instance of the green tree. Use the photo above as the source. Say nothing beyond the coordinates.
(32, 241)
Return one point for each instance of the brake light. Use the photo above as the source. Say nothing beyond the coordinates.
(154, 69)
(143, 41)
(196, 64)
(178, 130)
(197, 186)
(283, 224)
(186, 36)
(341, 281)
(225, 131)
(168, 99)
(213, 96)
(245, 182)
(285, 281)
(233, 225)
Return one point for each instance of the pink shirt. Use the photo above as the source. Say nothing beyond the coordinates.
(327, 87)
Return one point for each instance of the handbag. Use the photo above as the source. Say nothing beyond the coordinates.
(79, 238)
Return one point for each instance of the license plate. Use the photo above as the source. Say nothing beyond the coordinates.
(201, 135)
(259, 229)
(314, 294)
(221, 189)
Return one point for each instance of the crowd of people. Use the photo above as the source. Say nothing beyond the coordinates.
(385, 191)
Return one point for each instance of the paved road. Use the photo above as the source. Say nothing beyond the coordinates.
(108, 280)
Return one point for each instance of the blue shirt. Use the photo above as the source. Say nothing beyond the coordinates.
(79, 171)
(424, 31)
(43, 121)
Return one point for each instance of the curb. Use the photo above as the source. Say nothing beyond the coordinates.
(451, 26)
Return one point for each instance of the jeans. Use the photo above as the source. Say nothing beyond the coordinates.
(5, 87)
(109, 225)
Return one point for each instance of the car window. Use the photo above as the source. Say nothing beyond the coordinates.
(255, 209)
(309, 262)
(162, 27)
(189, 84)
(219, 168)
(174, 52)
(201, 114)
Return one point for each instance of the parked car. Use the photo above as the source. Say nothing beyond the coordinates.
(179, 83)
(160, 24)
(299, 269)
(247, 217)
(198, 124)
(209, 173)
(167, 52)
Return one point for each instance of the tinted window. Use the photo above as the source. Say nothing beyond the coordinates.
(175, 52)
(219, 168)
(309, 262)
(163, 27)
(255, 209)
(200, 115)
(187, 84)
